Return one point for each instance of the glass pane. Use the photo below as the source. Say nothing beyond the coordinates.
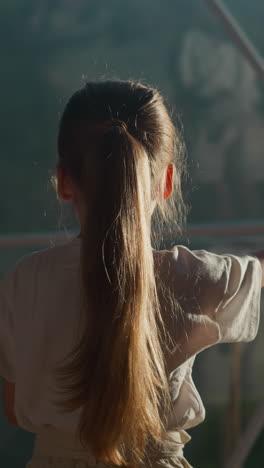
(49, 49)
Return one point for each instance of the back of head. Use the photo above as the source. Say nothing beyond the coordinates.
(116, 140)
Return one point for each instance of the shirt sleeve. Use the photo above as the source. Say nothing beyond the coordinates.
(217, 298)
(7, 341)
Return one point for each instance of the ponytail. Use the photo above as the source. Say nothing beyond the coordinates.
(117, 373)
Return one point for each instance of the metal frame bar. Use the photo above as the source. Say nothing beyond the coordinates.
(238, 35)
(247, 439)
(192, 231)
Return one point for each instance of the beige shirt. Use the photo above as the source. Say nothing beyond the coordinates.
(214, 299)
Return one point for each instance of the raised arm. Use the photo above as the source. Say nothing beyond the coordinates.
(217, 299)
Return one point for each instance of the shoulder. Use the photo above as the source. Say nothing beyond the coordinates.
(186, 263)
(43, 261)
(201, 265)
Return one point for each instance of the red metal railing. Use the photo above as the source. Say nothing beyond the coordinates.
(193, 231)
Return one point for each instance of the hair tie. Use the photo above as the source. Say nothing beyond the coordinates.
(116, 123)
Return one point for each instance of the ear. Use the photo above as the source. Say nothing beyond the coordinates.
(169, 181)
(64, 185)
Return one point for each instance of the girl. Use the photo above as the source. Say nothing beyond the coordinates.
(99, 336)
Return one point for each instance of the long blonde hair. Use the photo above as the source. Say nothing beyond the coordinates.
(116, 139)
